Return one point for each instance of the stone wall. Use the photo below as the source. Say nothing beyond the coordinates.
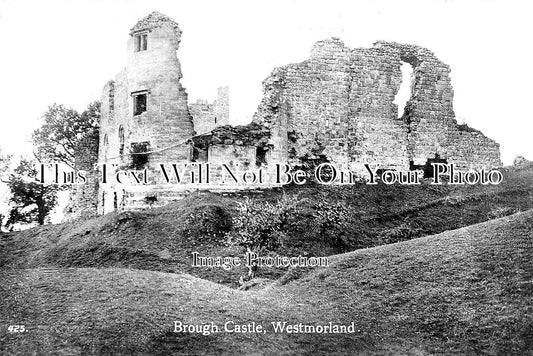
(203, 116)
(221, 107)
(339, 106)
(165, 125)
(207, 116)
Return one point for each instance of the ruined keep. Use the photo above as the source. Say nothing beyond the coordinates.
(337, 106)
(145, 109)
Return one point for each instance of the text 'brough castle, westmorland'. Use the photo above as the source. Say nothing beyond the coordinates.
(335, 107)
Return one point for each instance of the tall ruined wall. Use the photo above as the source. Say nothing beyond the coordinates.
(378, 136)
(221, 107)
(429, 117)
(208, 116)
(339, 105)
(154, 71)
(203, 116)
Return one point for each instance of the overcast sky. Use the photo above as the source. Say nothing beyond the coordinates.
(65, 51)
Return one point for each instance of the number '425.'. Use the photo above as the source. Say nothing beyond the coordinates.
(16, 328)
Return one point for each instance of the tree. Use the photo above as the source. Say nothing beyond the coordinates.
(62, 131)
(261, 226)
(332, 220)
(4, 166)
(31, 201)
(4, 162)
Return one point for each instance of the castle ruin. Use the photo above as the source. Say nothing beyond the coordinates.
(207, 116)
(338, 106)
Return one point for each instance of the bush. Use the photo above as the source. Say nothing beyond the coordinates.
(500, 212)
(332, 220)
(398, 233)
(261, 226)
(208, 221)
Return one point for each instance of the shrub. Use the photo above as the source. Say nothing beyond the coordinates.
(208, 221)
(332, 220)
(261, 226)
(398, 233)
(500, 212)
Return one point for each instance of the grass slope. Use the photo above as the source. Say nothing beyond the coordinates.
(163, 239)
(466, 291)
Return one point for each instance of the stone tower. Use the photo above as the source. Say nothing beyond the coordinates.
(207, 116)
(221, 109)
(145, 108)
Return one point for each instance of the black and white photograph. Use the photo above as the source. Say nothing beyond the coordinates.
(284, 177)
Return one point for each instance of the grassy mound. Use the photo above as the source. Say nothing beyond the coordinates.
(159, 240)
(460, 292)
(163, 239)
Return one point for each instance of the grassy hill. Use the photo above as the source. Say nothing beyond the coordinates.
(466, 291)
(163, 239)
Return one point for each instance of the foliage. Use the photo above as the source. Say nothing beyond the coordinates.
(63, 130)
(500, 212)
(4, 162)
(4, 166)
(30, 200)
(261, 225)
(398, 233)
(333, 221)
(208, 221)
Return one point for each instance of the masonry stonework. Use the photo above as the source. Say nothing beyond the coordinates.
(163, 123)
(337, 106)
(207, 116)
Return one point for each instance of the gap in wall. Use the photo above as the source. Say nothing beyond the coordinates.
(404, 93)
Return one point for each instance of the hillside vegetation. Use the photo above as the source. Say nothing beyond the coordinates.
(163, 239)
(466, 291)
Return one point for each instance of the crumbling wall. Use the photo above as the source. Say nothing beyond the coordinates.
(202, 115)
(469, 148)
(207, 116)
(157, 70)
(339, 104)
(165, 125)
(221, 106)
(378, 136)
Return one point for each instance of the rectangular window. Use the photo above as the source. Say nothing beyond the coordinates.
(141, 42)
(139, 104)
(139, 155)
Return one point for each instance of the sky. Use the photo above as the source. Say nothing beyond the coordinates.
(60, 51)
